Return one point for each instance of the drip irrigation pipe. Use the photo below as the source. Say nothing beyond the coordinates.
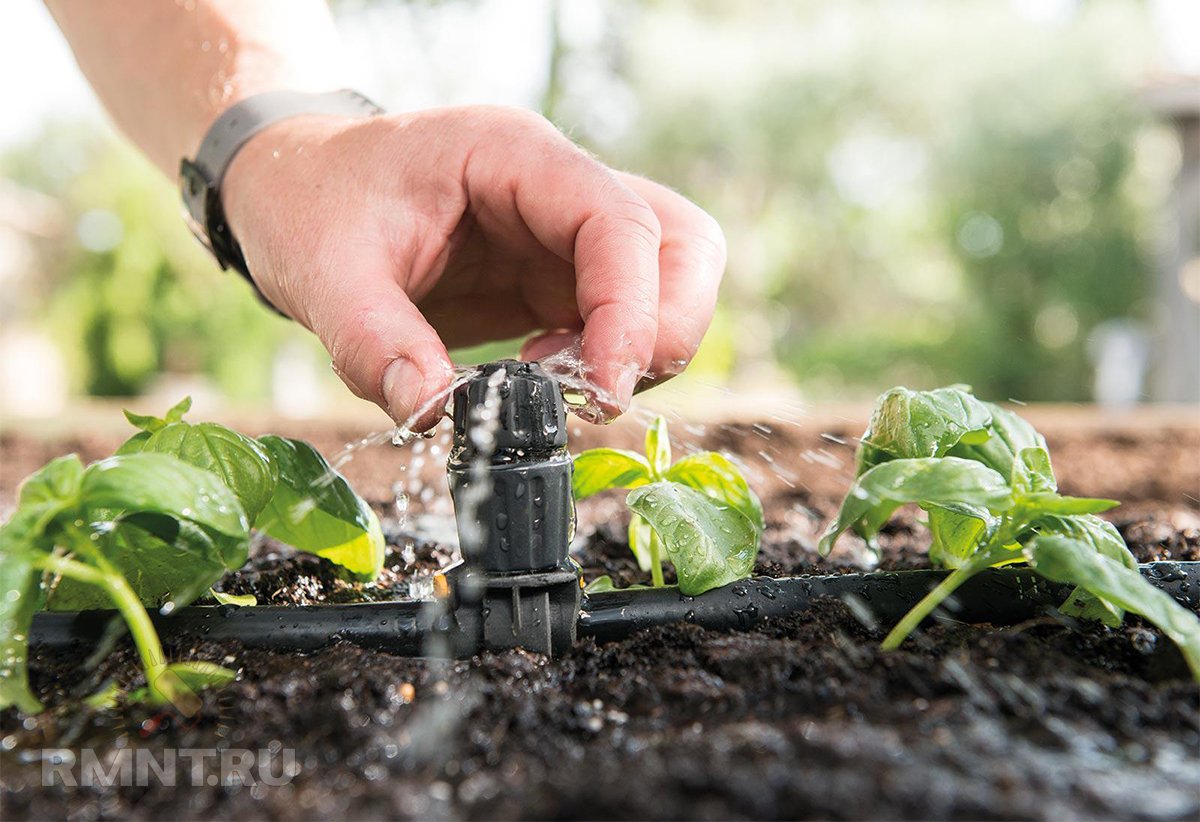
(397, 627)
(1001, 596)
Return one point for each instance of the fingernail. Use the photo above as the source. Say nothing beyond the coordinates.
(626, 383)
(402, 384)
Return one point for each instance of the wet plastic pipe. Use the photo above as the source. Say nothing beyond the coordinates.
(398, 627)
(1000, 596)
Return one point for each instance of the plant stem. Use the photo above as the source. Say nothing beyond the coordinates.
(982, 559)
(161, 682)
(656, 572)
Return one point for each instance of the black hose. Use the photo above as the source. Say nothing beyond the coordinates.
(1001, 596)
(397, 627)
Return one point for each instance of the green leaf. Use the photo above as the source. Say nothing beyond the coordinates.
(58, 482)
(605, 584)
(164, 559)
(947, 481)
(315, 510)
(170, 528)
(198, 674)
(145, 422)
(160, 483)
(134, 444)
(603, 468)
(1032, 473)
(639, 541)
(1098, 534)
(240, 600)
(181, 681)
(658, 447)
(151, 423)
(1102, 537)
(1009, 434)
(1067, 560)
(45, 494)
(957, 530)
(1082, 604)
(600, 585)
(242, 463)
(1050, 503)
(912, 424)
(106, 698)
(18, 601)
(709, 543)
(713, 474)
(1035, 491)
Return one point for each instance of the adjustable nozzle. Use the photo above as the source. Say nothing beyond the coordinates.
(510, 478)
(518, 447)
(531, 415)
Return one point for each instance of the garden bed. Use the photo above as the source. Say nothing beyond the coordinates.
(802, 717)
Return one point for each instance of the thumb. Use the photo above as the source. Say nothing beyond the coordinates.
(385, 350)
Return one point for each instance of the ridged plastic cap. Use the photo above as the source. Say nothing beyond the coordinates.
(532, 415)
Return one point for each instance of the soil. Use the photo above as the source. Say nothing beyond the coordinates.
(800, 718)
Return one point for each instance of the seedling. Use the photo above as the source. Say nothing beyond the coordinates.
(983, 475)
(156, 525)
(700, 511)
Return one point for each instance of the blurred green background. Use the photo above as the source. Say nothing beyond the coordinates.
(916, 192)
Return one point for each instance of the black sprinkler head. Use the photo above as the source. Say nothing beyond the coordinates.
(510, 478)
(532, 417)
(518, 447)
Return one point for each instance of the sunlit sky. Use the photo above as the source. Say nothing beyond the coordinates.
(496, 51)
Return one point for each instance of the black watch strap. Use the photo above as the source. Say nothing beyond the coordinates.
(201, 178)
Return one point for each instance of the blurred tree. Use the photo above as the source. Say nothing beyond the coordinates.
(944, 193)
(130, 294)
(1035, 207)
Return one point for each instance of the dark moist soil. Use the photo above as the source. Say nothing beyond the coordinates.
(801, 717)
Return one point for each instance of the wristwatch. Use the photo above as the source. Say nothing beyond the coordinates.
(200, 179)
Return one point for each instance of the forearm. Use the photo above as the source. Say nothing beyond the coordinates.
(165, 69)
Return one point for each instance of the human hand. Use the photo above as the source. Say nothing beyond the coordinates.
(396, 236)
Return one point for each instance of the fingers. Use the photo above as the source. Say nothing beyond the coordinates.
(383, 349)
(616, 261)
(691, 263)
(582, 212)
(548, 343)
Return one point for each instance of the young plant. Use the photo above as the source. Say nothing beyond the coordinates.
(156, 525)
(700, 511)
(983, 476)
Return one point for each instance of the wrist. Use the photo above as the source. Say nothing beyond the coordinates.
(254, 176)
(203, 178)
